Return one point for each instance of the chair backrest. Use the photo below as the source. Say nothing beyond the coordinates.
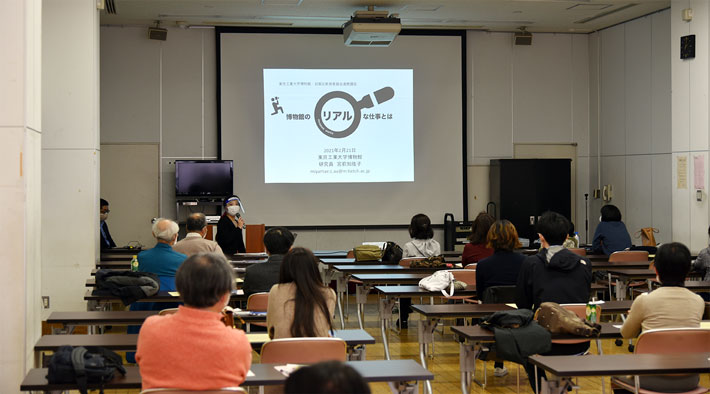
(579, 251)
(168, 311)
(471, 266)
(303, 350)
(499, 295)
(258, 302)
(351, 254)
(674, 340)
(465, 275)
(231, 390)
(628, 255)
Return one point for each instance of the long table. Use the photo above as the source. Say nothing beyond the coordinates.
(400, 372)
(471, 336)
(161, 296)
(566, 367)
(390, 294)
(354, 339)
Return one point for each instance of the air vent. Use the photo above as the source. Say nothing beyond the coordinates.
(111, 7)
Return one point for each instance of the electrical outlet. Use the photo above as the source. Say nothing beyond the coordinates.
(45, 302)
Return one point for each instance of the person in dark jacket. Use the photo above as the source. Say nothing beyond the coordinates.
(554, 274)
(611, 234)
(500, 269)
(106, 240)
(230, 226)
(261, 277)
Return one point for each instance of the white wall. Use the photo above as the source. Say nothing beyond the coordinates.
(70, 150)
(630, 119)
(536, 94)
(20, 190)
(690, 121)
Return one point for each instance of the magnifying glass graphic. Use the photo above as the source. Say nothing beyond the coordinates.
(381, 96)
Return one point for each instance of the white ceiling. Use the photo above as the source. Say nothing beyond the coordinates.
(493, 15)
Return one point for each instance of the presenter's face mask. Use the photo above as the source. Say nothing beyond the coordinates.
(233, 210)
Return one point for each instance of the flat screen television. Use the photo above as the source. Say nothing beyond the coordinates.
(210, 178)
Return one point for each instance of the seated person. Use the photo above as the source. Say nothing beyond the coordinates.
(262, 277)
(300, 305)
(702, 265)
(422, 244)
(192, 349)
(670, 306)
(194, 241)
(611, 234)
(106, 240)
(477, 247)
(554, 274)
(327, 377)
(572, 242)
(162, 260)
(500, 269)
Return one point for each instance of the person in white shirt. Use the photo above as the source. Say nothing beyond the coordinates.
(422, 244)
(195, 242)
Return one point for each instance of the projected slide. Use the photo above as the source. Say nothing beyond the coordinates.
(338, 126)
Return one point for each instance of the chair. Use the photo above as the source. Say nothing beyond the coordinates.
(578, 251)
(464, 275)
(303, 350)
(471, 266)
(669, 340)
(581, 311)
(628, 255)
(169, 311)
(182, 391)
(257, 302)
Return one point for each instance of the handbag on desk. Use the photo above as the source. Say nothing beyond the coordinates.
(646, 235)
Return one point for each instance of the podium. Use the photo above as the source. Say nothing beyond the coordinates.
(255, 238)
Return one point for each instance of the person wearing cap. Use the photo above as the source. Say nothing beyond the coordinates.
(230, 225)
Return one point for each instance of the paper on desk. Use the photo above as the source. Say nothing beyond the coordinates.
(239, 280)
(512, 306)
(617, 326)
(250, 373)
(705, 324)
(174, 293)
(287, 369)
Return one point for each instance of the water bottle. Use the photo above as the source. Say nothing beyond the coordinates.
(134, 264)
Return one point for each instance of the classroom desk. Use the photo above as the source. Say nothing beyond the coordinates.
(431, 314)
(337, 254)
(341, 274)
(390, 294)
(470, 337)
(607, 265)
(369, 280)
(246, 256)
(566, 367)
(354, 339)
(399, 372)
(162, 296)
(107, 256)
(625, 276)
(114, 264)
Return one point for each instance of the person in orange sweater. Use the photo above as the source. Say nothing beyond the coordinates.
(192, 349)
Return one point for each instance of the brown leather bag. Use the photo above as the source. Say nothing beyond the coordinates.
(646, 235)
(558, 320)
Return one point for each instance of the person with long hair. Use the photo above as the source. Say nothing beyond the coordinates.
(300, 305)
(230, 226)
(476, 249)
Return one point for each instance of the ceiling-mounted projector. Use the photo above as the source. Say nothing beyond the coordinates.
(371, 29)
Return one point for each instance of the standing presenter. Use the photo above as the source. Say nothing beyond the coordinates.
(230, 226)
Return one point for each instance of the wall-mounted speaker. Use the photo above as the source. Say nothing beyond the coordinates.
(157, 33)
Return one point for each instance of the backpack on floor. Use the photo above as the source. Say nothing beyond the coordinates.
(83, 366)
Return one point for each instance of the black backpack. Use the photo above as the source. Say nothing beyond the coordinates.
(392, 253)
(82, 365)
